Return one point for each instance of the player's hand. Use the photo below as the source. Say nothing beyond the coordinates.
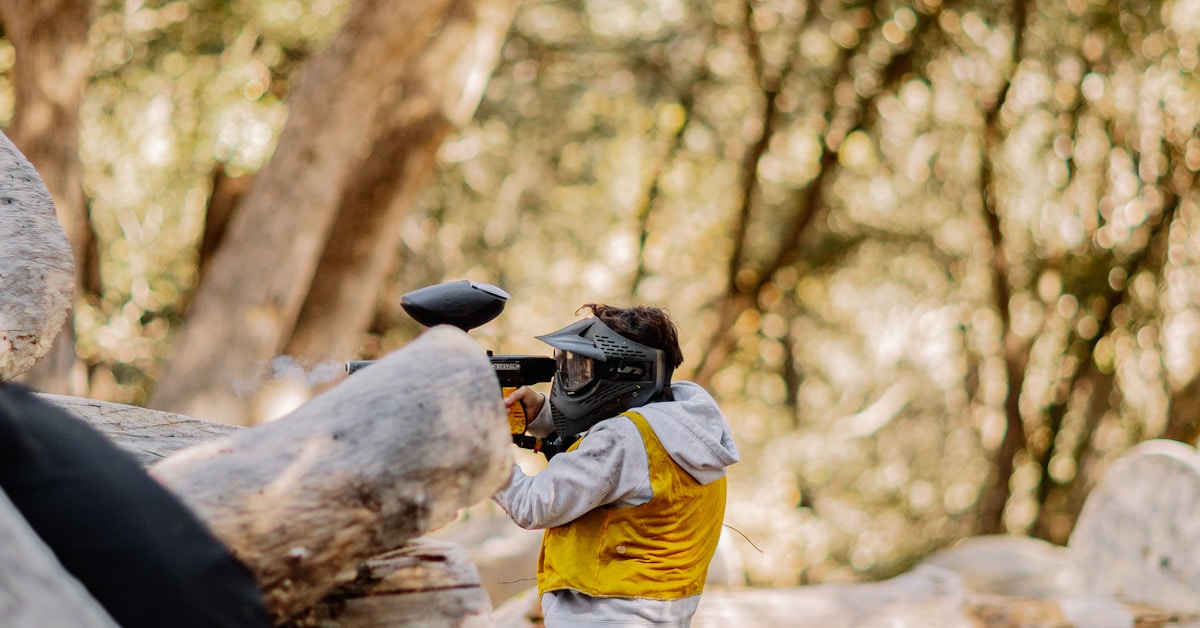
(531, 402)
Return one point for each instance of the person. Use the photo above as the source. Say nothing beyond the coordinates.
(137, 548)
(633, 508)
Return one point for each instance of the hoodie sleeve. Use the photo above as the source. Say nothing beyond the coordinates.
(694, 432)
(542, 425)
(608, 467)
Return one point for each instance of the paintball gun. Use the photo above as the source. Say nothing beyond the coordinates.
(467, 305)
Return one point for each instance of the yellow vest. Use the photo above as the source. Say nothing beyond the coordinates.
(660, 549)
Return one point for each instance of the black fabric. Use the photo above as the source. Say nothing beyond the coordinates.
(136, 547)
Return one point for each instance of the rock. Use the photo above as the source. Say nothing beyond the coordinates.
(1010, 565)
(928, 596)
(1138, 536)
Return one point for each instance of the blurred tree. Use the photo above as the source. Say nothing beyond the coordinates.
(900, 254)
(51, 68)
(363, 122)
(437, 92)
(1095, 276)
(1015, 349)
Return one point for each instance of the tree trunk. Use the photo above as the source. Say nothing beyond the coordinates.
(248, 305)
(1015, 351)
(437, 92)
(35, 257)
(389, 454)
(225, 198)
(52, 58)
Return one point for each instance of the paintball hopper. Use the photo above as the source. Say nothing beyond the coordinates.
(467, 305)
(463, 304)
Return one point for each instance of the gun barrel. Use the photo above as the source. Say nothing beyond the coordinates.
(513, 370)
(356, 365)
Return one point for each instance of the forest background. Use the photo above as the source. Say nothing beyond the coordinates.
(939, 260)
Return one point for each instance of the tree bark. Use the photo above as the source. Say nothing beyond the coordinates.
(424, 583)
(248, 305)
(226, 196)
(392, 452)
(149, 435)
(35, 257)
(437, 92)
(52, 58)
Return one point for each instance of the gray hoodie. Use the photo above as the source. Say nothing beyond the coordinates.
(610, 467)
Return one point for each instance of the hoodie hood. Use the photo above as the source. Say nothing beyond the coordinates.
(693, 431)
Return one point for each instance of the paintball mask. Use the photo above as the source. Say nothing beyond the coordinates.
(600, 374)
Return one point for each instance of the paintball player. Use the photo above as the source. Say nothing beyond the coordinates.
(632, 510)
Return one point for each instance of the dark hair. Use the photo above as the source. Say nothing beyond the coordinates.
(643, 324)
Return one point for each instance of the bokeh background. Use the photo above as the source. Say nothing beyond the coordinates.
(938, 260)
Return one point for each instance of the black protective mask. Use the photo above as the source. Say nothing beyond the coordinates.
(600, 375)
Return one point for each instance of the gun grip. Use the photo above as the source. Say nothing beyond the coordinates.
(516, 413)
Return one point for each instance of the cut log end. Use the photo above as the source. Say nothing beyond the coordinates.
(389, 454)
(38, 281)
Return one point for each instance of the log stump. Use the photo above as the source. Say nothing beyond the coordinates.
(423, 584)
(390, 453)
(37, 270)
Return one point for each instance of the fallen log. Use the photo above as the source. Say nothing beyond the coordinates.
(387, 455)
(150, 435)
(424, 583)
(398, 587)
(38, 271)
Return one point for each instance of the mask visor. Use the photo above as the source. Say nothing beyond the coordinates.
(574, 370)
